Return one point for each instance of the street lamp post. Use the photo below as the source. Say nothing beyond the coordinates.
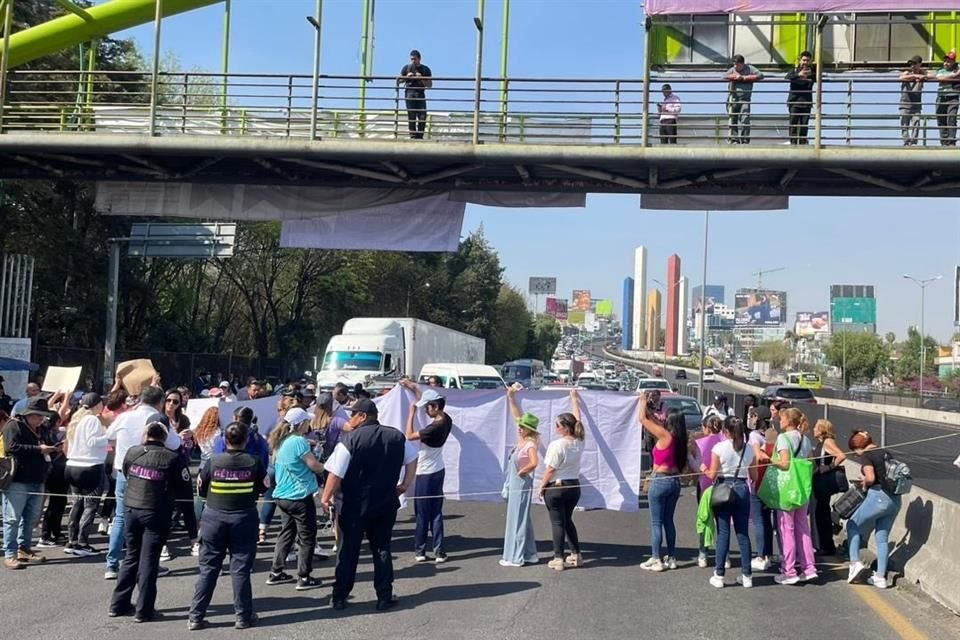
(923, 283)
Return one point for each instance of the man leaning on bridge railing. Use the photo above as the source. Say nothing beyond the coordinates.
(741, 76)
(948, 99)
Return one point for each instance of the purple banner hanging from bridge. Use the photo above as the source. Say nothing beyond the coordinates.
(669, 7)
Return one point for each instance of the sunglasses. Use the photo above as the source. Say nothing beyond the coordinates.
(172, 401)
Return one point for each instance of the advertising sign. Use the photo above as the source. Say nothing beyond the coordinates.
(577, 318)
(760, 308)
(552, 307)
(581, 299)
(562, 307)
(605, 309)
(810, 323)
(853, 310)
(540, 286)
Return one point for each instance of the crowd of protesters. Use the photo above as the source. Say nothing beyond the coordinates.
(329, 464)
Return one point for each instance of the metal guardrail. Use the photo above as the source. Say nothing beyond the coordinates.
(850, 110)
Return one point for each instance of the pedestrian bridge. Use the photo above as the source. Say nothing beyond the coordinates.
(531, 134)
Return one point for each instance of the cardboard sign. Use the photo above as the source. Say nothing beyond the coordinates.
(135, 375)
(61, 379)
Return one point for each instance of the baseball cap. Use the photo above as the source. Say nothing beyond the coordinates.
(428, 396)
(224, 384)
(296, 416)
(90, 400)
(364, 405)
(216, 392)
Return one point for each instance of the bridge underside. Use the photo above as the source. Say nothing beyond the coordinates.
(734, 170)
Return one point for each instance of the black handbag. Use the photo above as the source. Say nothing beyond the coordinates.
(723, 495)
(847, 504)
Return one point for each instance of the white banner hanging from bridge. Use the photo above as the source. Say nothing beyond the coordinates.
(428, 224)
(477, 452)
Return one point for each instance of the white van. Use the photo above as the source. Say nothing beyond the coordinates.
(463, 376)
(709, 375)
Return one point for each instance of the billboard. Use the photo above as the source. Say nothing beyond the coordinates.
(810, 323)
(577, 318)
(581, 299)
(542, 286)
(557, 308)
(605, 308)
(760, 308)
(853, 311)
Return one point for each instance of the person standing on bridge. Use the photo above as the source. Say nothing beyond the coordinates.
(800, 100)
(416, 77)
(669, 111)
(948, 99)
(742, 77)
(911, 100)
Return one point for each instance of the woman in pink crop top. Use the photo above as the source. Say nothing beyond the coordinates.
(669, 457)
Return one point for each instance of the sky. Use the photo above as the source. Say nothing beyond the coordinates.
(818, 241)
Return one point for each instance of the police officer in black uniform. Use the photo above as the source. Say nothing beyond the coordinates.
(365, 466)
(231, 482)
(156, 477)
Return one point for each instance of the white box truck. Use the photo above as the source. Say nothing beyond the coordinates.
(370, 347)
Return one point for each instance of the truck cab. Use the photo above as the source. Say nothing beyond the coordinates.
(352, 358)
(463, 376)
(527, 372)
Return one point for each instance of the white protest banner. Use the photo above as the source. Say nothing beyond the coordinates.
(61, 379)
(264, 408)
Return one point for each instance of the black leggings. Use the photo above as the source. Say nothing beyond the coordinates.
(561, 502)
(52, 525)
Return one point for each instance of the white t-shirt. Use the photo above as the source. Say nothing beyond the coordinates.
(730, 458)
(128, 430)
(790, 440)
(429, 460)
(563, 455)
(88, 446)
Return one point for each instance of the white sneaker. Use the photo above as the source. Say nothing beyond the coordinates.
(745, 581)
(855, 570)
(420, 557)
(164, 553)
(702, 560)
(195, 550)
(760, 564)
(810, 577)
(670, 562)
(320, 552)
(877, 581)
(110, 574)
(716, 581)
(104, 527)
(652, 564)
(782, 579)
(507, 563)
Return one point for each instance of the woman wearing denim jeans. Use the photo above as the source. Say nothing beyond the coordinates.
(669, 456)
(760, 515)
(731, 463)
(878, 510)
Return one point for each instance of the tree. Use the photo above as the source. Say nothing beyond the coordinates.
(866, 355)
(543, 338)
(891, 338)
(775, 352)
(511, 324)
(908, 364)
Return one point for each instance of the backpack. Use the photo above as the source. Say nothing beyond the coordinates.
(897, 478)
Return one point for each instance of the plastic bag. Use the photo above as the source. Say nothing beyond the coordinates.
(790, 489)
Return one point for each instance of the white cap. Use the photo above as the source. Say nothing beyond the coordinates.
(428, 396)
(224, 384)
(296, 416)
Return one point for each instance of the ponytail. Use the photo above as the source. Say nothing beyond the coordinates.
(573, 426)
(734, 428)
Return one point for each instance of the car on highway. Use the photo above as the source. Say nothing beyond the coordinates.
(792, 394)
(651, 384)
(941, 404)
(753, 377)
(688, 407)
(709, 376)
(681, 374)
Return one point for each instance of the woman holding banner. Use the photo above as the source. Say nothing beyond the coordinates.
(519, 542)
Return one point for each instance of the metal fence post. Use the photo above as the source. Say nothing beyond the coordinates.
(478, 22)
(826, 411)
(818, 49)
(883, 429)
(645, 117)
(616, 121)
(289, 102)
(154, 80)
(315, 91)
(7, 28)
(110, 343)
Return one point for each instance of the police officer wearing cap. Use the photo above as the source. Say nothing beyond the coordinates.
(231, 482)
(156, 477)
(365, 468)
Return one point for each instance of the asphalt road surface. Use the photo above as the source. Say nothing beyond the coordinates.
(472, 597)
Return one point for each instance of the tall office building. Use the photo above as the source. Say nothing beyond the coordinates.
(683, 335)
(673, 304)
(639, 297)
(653, 319)
(626, 342)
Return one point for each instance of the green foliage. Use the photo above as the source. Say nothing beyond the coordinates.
(908, 364)
(775, 352)
(543, 338)
(868, 356)
(511, 325)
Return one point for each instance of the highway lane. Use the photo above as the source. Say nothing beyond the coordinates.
(930, 462)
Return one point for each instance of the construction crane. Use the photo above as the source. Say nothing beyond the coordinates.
(764, 272)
